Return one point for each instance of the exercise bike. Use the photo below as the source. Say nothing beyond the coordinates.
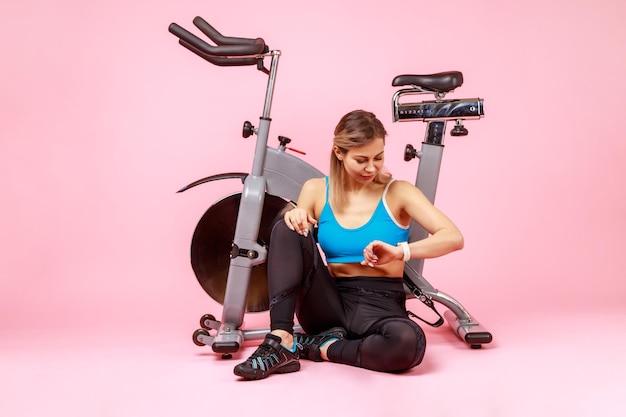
(230, 242)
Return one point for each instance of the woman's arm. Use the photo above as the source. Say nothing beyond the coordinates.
(303, 217)
(444, 237)
(411, 203)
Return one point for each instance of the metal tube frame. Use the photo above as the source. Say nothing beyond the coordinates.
(430, 156)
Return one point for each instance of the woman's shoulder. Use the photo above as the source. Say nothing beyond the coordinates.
(314, 185)
(315, 182)
(401, 189)
(313, 195)
(399, 185)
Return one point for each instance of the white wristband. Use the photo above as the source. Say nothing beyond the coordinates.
(406, 250)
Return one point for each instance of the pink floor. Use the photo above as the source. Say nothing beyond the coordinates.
(540, 364)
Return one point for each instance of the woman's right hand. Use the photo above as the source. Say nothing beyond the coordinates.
(299, 220)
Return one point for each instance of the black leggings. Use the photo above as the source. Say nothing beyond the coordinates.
(372, 309)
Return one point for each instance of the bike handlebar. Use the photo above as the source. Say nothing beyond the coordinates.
(220, 39)
(220, 61)
(229, 50)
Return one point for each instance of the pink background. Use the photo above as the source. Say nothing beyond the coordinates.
(104, 116)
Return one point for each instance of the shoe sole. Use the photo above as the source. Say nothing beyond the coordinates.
(294, 367)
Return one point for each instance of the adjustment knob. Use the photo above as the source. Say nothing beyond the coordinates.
(248, 129)
(459, 130)
(410, 152)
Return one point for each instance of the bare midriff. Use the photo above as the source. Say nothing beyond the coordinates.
(340, 270)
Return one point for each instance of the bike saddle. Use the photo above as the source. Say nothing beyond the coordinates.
(441, 82)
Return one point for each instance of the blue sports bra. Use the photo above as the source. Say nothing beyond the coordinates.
(341, 245)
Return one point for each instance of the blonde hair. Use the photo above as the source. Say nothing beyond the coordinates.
(357, 128)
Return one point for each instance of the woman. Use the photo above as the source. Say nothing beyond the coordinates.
(352, 304)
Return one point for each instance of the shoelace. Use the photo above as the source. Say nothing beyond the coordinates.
(264, 358)
(304, 339)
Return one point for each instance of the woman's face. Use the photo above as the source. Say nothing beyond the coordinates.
(363, 163)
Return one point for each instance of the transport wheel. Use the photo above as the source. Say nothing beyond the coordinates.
(196, 336)
(204, 318)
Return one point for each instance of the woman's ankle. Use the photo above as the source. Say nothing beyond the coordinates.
(324, 349)
(286, 338)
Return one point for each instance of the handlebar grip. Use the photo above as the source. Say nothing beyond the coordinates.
(220, 39)
(220, 51)
(220, 61)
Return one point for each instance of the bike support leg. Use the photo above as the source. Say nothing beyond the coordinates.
(459, 319)
(246, 251)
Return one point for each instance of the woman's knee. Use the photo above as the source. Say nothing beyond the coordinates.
(413, 340)
(285, 240)
(280, 229)
(406, 344)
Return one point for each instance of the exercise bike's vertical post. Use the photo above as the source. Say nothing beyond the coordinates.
(246, 250)
(264, 123)
(462, 323)
(431, 155)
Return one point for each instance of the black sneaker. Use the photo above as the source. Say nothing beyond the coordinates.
(270, 358)
(309, 346)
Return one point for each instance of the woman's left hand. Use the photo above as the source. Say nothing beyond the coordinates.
(381, 253)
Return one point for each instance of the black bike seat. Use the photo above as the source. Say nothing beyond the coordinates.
(441, 82)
